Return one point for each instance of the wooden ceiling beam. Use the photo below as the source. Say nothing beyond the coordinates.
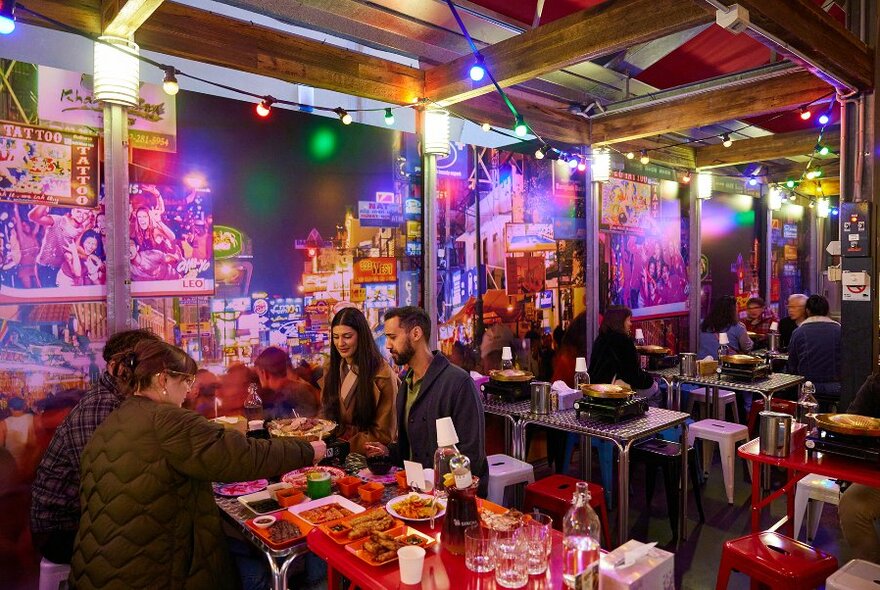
(84, 15)
(123, 17)
(779, 93)
(769, 147)
(804, 30)
(587, 34)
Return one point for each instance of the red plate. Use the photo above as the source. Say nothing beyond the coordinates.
(298, 477)
(399, 533)
(241, 488)
(341, 537)
(304, 529)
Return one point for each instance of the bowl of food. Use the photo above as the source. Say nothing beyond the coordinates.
(264, 522)
(371, 492)
(379, 465)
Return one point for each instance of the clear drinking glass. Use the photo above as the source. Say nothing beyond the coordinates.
(478, 549)
(537, 529)
(511, 563)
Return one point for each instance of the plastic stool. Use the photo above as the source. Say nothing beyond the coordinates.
(552, 495)
(673, 434)
(857, 574)
(666, 455)
(52, 574)
(812, 493)
(776, 560)
(726, 434)
(725, 398)
(606, 461)
(505, 471)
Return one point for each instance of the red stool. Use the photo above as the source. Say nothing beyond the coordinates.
(553, 496)
(775, 560)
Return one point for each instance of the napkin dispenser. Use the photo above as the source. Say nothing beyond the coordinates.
(636, 566)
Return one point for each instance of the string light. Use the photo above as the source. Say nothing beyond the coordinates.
(792, 197)
(7, 17)
(811, 205)
(753, 181)
(582, 166)
(790, 183)
(774, 199)
(630, 155)
(644, 159)
(520, 127)
(389, 117)
(806, 114)
(477, 71)
(572, 162)
(811, 174)
(486, 127)
(265, 106)
(343, 115)
(823, 119)
(823, 150)
(169, 84)
(686, 177)
(726, 141)
(541, 152)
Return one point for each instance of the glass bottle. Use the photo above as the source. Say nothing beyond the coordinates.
(253, 404)
(580, 542)
(723, 345)
(640, 341)
(808, 405)
(461, 504)
(506, 358)
(581, 376)
(446, 450)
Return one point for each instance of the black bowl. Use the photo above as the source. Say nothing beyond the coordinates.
(379, 465)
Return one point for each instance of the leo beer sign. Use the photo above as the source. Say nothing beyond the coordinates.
(375, 270)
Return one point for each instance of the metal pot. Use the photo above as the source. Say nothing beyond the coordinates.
(773, 344)
(688, 364)
(775, 433)
(542, 399)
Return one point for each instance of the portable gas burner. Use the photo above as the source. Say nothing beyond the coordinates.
(865, 448)
(610, 410)
(508, 391)
(736, 367)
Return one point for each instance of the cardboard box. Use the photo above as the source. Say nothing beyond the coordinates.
(707, 368)
(654, 571)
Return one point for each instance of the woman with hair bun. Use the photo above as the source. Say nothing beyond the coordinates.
(148, 513)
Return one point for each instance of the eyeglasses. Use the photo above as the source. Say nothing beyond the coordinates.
(189, 379)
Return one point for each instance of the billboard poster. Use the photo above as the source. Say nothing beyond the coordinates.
(525, 275)
(380, 214)
(65, 101)
(529, 237)
(375, 270)
(628, 204)
(48, 167)
(408, 287)
(380, 296)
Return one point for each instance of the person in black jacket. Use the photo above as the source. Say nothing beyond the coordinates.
(614, 357)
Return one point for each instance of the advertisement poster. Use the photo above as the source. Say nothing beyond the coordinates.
(408, 287)
(525, 275)
(628, 204)
(374, 214)
(47, 167)
(375, 270)
(529, 237)
(65, 100)
(380, 296)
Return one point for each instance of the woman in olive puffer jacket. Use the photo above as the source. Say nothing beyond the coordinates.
(149, 518)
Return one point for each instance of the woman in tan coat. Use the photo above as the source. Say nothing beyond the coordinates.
(359, 386)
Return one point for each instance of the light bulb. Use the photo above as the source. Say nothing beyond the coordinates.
(686, 178)
(789, 183)
(823, 119)
(477, 72)
(520, 127)
(486, 127)
(753, 181)
(726, 141)
(265, 107)
(582, 166)
(630, 155)
(806, 114)
(823, 150)
(7, 17)
(541, 152)
(169, 84)
(644, 159)
(389, 117)
(572, 162)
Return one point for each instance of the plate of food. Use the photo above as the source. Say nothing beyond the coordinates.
(260, 502)
(359, 526)
(380, 548)
(499, 518)
(241, 488)
(415, 507)
(306, 428)
(298, 478)
(284, 532)
(327, 509)
(606, 390)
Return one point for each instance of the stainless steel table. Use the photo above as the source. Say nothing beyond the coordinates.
(510, 411)
(279, 559)
(623, 435)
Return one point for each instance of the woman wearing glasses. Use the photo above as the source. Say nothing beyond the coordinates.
(149, 517)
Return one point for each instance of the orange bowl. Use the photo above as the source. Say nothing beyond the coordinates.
(401, 479)
(371, 492)
(289, 497)
(348, 485)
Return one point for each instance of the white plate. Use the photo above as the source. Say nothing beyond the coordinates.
(256, 497)
(335, 498)
(394, 513)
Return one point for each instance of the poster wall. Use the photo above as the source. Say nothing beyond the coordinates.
(525, 275)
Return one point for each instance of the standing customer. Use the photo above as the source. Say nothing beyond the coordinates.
(614, 357)
(814, 350)
(359, 386)
(284, 393)
(55, 509)
(797, 313)
(149, 517)
(722, 319)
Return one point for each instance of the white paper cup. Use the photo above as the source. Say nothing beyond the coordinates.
(429, 480)
(412, 561)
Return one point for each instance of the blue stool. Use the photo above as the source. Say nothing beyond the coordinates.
(606, 461)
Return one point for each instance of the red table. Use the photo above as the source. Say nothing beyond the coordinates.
(442, 570)
(799, 464)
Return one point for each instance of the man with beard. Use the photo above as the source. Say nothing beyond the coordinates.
(432, 388)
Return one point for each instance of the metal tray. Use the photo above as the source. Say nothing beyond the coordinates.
(496, 375)
(852, 424)
(606, 391)
(741, 359)
(653, 349)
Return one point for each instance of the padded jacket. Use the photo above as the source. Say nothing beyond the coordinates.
(149, 519)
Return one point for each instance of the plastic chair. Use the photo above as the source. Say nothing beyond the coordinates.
(810, 497)
(552, 495)
(53, 575)
(726, 434)
(776, 405)
(505, 471)
(666, 455)
(857, 574)
(775, 560)
(725, 398)
(606, 461)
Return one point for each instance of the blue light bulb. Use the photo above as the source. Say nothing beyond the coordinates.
(7, 25)
(477, 72)
(823, 119)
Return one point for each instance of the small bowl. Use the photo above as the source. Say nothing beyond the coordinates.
(371, 492)
(289, 496)
(274, 488)
(380, 465)
(348, 485)
(401, 479)
(264, 522)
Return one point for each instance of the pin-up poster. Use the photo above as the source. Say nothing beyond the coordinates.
(628, 204)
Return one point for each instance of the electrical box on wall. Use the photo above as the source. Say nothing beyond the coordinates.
(855, 229)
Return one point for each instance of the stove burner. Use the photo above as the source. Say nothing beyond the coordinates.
(746, 372)
(856, 447)
(610, 410)
(508, 391)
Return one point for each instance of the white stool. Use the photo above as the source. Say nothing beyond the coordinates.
(725, 398)
(505, 471)
(52, 575)
(726, 434)
(857, 574)
(812, 493)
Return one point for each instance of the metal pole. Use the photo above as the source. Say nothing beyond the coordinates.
(429, 242)
(695, 210)
(480, 327)
(592, 192)
(768, 258)
(116, 209)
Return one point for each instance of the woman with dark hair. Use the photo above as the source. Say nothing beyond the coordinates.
(614, 358)
(359, 387)
(722, 319)
(148, 511)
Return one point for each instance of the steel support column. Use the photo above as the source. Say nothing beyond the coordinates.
(116, 194)
(429, 242)
(695, 210)
(592, 194)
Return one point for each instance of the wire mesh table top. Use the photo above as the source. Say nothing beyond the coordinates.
(775, 382)
(493, 405)
(655, 420)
